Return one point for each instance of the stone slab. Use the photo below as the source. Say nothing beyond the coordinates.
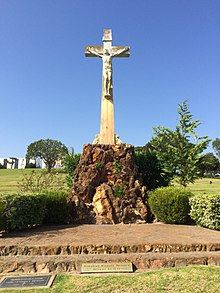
(119, 267)
(27, 282)
(111, 235)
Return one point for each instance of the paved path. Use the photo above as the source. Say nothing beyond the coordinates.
(112, 234)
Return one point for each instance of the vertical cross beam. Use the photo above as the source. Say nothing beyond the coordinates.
(107, 52)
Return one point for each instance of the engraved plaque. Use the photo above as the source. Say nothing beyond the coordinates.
(27, 282)
(117, 267)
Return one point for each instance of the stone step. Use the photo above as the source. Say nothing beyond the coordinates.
(72, 263)
(34, 250)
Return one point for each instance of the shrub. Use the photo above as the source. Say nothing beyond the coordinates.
(22, 211)
(151, 170)
(38, 182)
(170, 204)
(30, 165)
(70, 163)
(57, 210)
(205, 210)
(2, 166)
(2, 208)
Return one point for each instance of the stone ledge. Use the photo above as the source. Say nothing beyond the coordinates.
(19, 250)
(141, 261)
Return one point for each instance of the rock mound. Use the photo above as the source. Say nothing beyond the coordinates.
(106, 187)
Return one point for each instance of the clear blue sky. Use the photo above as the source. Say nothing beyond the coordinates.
(49, 89)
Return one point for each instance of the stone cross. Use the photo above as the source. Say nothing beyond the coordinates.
(107, 52)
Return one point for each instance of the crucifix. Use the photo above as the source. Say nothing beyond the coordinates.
(107, 52)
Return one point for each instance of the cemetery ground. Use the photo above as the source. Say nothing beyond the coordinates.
(9, 178)
(178, 279)
(9, 181)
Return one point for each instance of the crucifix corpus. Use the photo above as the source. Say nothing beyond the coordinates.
(107, 52)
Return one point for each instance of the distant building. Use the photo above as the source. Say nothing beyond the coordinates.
(20, 163)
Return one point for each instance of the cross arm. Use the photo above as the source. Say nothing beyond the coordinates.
(120, 51)
(94, 51)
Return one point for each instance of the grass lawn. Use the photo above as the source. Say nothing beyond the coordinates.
(188, 279)
(203, 186)
(9, 178)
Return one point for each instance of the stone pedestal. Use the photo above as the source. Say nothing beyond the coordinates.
(106, 187)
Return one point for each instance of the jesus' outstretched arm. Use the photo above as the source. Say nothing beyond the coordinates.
(94, 52)
(120, 51)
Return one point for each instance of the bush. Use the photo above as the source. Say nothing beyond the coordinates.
(38, 182)
(170, 204)
(70, 163)
(22, 211)
(30, 165)
(205, 210)
(57, 210)
(2, 208)
(151, 170)
(2, 166)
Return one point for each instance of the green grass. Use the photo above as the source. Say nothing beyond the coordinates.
(203, 186)
(9, 178)
(188, 279)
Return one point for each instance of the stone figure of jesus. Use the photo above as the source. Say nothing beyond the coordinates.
(107, 52)
(106, 56)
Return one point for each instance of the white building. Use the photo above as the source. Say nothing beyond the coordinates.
(20, 163)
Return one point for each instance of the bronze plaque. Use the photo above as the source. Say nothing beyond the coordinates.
(111, 267)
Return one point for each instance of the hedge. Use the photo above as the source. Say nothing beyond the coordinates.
(22, 211)
(57, 210)
(205, 210)
(170, 204)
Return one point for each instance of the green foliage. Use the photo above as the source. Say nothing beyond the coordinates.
(57, 210)
(99, 166)
(170, 204)
(30, 165)
(2, 209)
(179, 151)
(48, 150)
(2, 166)
(118, 191)
(151, 169)
(35, 182)
(70, 163)
(205, 210)
(216, 146)
(209, 165)
(117, 167)
(22, 211)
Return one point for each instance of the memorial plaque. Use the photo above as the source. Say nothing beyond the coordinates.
(27, 282)
(117, 267)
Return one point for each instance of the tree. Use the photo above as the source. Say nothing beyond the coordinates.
(209, 165)
(70, 163)
(150, 169)
(180, 150)
(48, 150)
(216, 146)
